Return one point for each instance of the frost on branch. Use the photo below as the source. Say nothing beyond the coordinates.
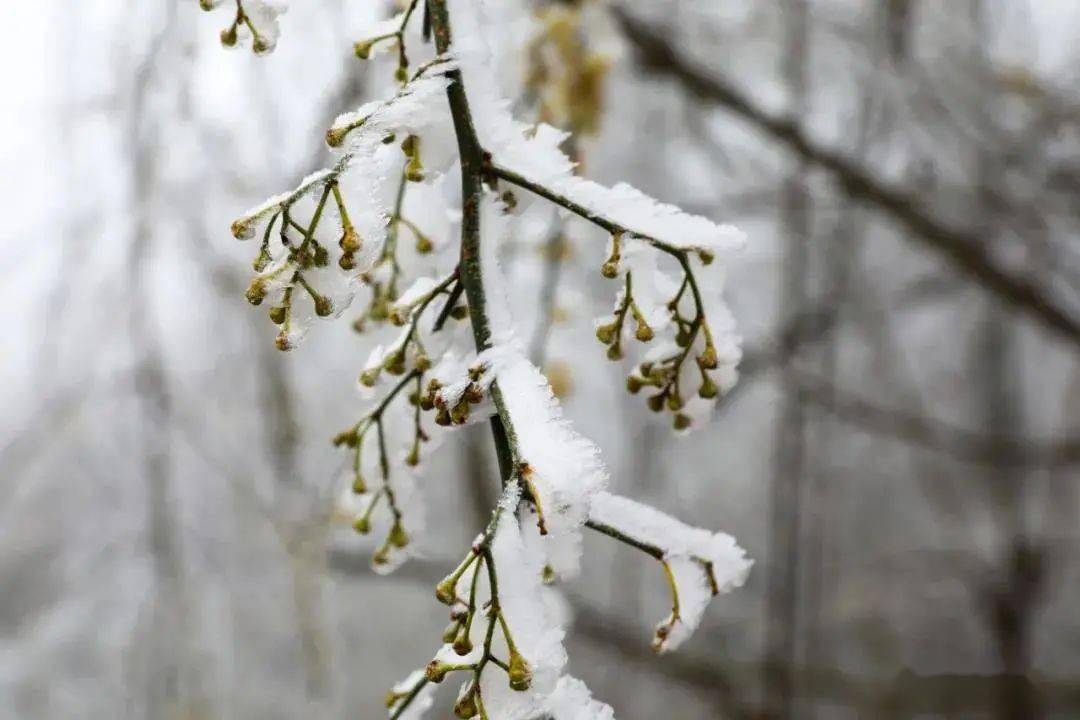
(348, 205)
(255, 22)
(699, 564)
(390, 189)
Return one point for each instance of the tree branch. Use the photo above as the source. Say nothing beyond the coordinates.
(962, 248)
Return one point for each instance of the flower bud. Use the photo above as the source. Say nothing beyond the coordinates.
(369, 377)
(228, 36)
(278, 314)
(445, 591)
(706, 256)
(549, 576)
(410, 145)
(423, 244)
(656, 402)
(348, 438)
(708, 389)
(347, 261)
(381, 556)
(614, 352)
(460, 312)
(466, 707)
(682, 421)
(436, 671)
(323, 306)
(362, 524)
(463, 645)
(610, 269)
(401, 74)
(520, 674)
(261, 45)
(451, 632)
(256, 291)
(634, 384)
(336, 135)
(350, 240)
(422, 362)
(283, 342)
(414, 170)
(644, 332)
(413, 458)
(708, 358)
(358, 485)
(606, 333)
(362, 49)
(674, 401)
(398, 537)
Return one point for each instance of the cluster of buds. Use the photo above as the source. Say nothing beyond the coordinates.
(463, 613)
(453, 410)
(289, 272)
(231, 34)
(663, 376)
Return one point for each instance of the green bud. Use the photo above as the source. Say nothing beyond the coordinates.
(381, 556)
(445, 591)
(644, 332)
(277, 314)
(463, 645)
(322, 257)
(260, 45)
(398, 537)
(350, 240)
(256, 291)
(610, 269)
(423, 244)
(362, 49)
(460, 312)
(323, 306)
(436, 671)
(362, 525)
(606, 333)
(347, 261)
(682, 421)
(520, 674)
(634, 384)
(706, 256)
(358, 485)
(614, 352)
(708, 389)
(656, 402)
(674, 401)
(414, 170)
(228, 36)
(708, 358)
(410, 145)
(348, 438)
(413, 458)
(369, 377)
(336, 135)
(451, 632)
(549, 576)
(422, 362)
(401, 74)
(466, 707)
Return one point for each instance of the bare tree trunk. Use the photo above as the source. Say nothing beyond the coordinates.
(786, 515)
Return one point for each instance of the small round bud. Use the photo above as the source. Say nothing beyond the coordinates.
(423, 244)
(228, 36)
(362, 525)
(614, 352)
(278, 314)
(410, 145)
(606, 333)
(444, 592)
(350, 240)
(414, 170)
(549, 576)
(436, 671)
(422, 362)
(347, 261)
(644, 332)
(349, 438)
(413, 458)
(708, 389)
(460, 312)
(283, 342)
(369, 376)
(362, 49)
(674, 401)
(610, 269)
(381, 556)
(656, 402)
(708, 358)
(322, 257)
(466, 707)
(520, 674)
(401, 74)
(398, 537)
(261, 45)
(323, 306)
(682, 421)
(336, 135)
(634, 384)
(463, 645)
(358, 485)
(256, 291)
(706, 256)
